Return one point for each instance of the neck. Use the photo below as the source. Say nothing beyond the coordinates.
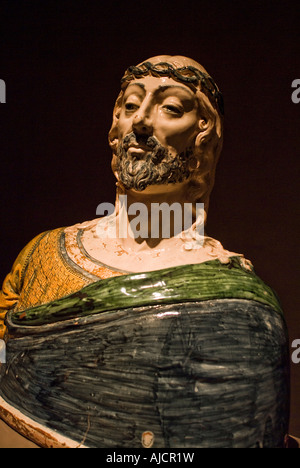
(168, 193)
(155, 217)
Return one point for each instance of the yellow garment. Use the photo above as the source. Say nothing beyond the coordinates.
(43, 272)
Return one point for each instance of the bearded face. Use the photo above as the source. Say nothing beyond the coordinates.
(154, 165)
(156, 129)
(171, 103)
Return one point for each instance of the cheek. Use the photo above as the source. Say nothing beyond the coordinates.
(122, 126)
(181, 136)
(121, 131)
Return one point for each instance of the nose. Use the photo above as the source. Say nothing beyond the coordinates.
(142, 122)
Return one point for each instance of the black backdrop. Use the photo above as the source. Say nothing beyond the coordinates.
(62, 62)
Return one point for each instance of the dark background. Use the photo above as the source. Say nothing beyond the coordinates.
(62, 62)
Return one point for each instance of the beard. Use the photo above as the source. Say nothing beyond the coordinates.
(156, 167)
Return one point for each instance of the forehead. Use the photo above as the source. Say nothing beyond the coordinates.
(159, 85)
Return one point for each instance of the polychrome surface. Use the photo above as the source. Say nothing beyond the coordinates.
(197, 371)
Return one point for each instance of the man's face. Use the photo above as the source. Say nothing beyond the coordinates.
(157, 126)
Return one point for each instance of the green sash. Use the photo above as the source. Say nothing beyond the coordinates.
(187, 283)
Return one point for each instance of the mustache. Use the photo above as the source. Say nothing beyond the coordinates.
(158, 151)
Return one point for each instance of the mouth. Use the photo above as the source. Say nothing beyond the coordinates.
(143, 146)
(135, 141)
(136, 149)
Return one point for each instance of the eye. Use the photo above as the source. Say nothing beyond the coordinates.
(131, 107)
(172, 109)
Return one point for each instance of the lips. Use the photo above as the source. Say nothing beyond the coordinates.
(136, 146)
(140, 142)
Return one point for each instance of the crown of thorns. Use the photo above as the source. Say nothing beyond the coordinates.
(188, 75)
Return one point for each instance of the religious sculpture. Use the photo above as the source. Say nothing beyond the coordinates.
(121, 333)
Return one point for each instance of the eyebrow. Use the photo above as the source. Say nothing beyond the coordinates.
(141, 85)
(166, 87)
(162, 88)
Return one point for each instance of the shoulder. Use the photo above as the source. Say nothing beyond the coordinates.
(39, 244)
(13, 281)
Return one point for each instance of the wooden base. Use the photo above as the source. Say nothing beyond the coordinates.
(12, 439)
(33, 431)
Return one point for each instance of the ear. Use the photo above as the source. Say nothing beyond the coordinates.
(113, 133)
(113, 138)
(203, 124)
(206, 126)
